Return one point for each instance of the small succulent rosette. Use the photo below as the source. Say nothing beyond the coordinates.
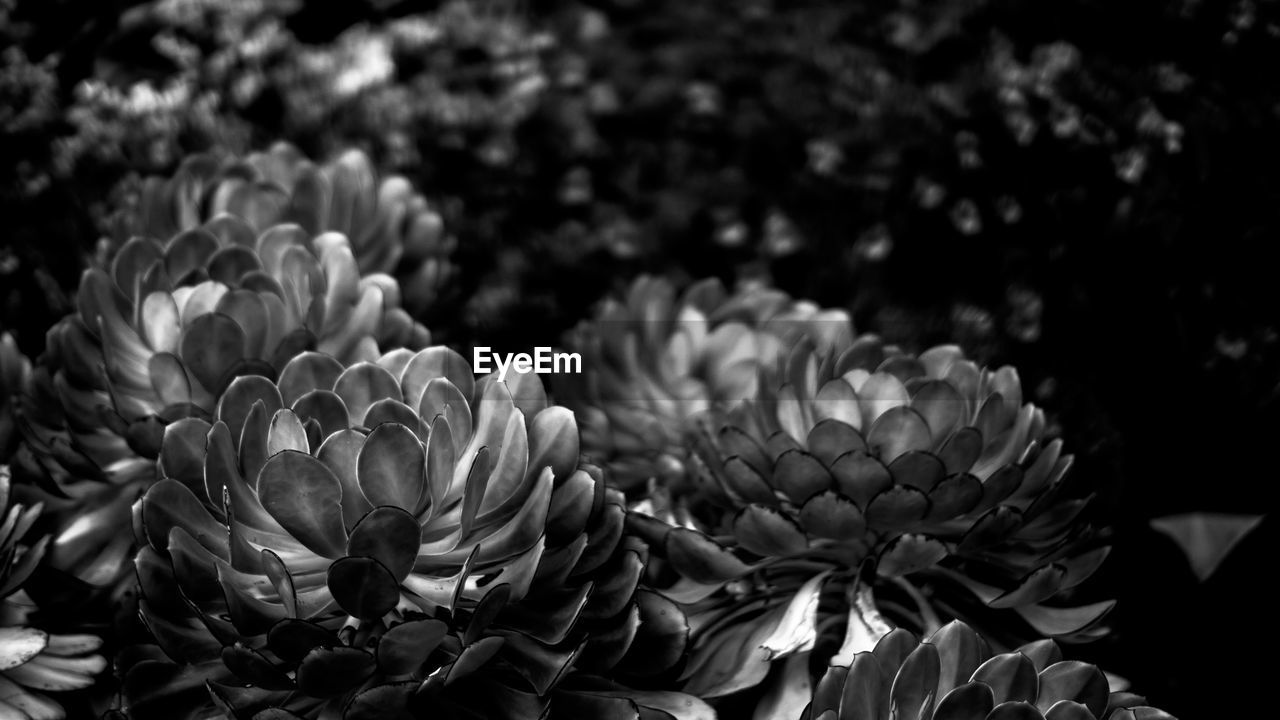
(954, 675)
(34, 665)
(865, 490)
(393, 230)
(657, 360)
(392, 539)
(228, 281)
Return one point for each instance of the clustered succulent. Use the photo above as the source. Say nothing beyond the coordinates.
(332, 519)
(244, 434)
(392, 229)
(230, 268)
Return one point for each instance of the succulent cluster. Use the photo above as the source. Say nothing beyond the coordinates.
(304, 506)
(230, 268)
(328, 519)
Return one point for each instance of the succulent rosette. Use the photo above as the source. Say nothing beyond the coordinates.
(33, 662)
(392, 228)
(655, 361)
(389, 539)
(954, 676)
(227, 286)
(868, 489)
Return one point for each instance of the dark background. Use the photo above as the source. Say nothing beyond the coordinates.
(1140, 310)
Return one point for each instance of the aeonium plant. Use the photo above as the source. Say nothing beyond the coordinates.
(231, 268)
(864, 490)
(657, 360)
(393, 229)
(393, 538)
(954, 675)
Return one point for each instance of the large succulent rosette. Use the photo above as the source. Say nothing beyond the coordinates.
(954, 676)
(391, 539)
(33, 662)
(162, 331)
(654, 362)
(870, 489)
(392, 228)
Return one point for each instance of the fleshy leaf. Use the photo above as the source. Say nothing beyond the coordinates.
(1011, 677)
(797, 630)
(800, 475)
(1015, 711)
(789, 692)
(1206, 538)
(305, 498)
(363, 587)
(1054, 621)
(912, 693)
(768, 532)
(970, 701)
(553, 441)
(663, 639)
(389, 535)
(832, 515)
(863, 694)
(391, 467)
(20, 644)
(699, 558)
(1076, 681)
(404, 648)
(910, 553)
(330, 672)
